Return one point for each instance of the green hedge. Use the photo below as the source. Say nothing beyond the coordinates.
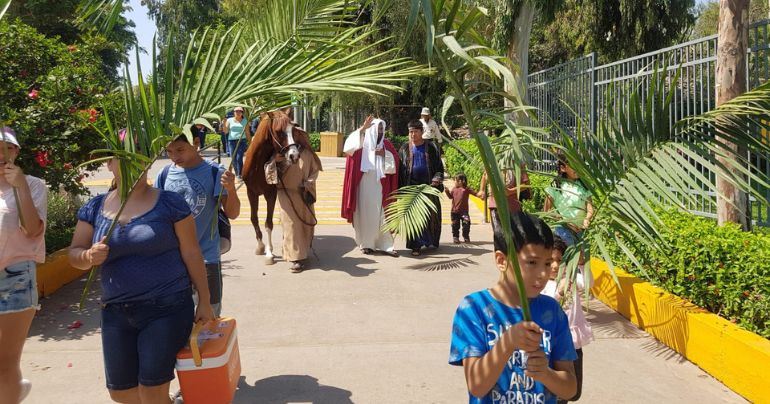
(61, 220)
(719, 268)
(473, 169)
(315, 141)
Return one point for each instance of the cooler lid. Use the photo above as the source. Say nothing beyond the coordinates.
(212, 340)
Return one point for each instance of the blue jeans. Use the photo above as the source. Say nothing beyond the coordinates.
(18, 287)
(237, 155)
(223, 139)
(140, 339)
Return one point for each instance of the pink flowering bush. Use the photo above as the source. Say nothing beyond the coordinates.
(51, 94)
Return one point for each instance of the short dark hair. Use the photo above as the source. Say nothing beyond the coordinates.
(415, 124)
(527, 229)
(559, 244)
(462, 177)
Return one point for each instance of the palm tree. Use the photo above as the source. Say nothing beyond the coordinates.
(636, 158)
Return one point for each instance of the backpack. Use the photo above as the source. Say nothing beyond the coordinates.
(223, 223)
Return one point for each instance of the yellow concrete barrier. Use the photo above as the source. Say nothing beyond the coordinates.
(55, 273)
(736, 357)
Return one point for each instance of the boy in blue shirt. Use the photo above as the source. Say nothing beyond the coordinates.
(506, 359)
(199, 181)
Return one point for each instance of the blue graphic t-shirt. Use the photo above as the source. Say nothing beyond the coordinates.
(479, 322)
(200, 188)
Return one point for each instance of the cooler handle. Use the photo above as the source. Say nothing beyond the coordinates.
(196, 352)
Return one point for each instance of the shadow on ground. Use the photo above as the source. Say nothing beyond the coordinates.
(290, 389)
(447, 257)
(60, 318)
(329, 254)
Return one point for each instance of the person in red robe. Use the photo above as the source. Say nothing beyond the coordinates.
(371, 174)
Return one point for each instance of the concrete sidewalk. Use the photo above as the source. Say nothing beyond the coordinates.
(356, 328)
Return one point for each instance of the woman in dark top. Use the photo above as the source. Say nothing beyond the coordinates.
(147, 267)
(420, 163)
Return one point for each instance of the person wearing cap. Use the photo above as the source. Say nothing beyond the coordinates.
(23, 206)
(420, 163)
(430, 129)
(238, 136)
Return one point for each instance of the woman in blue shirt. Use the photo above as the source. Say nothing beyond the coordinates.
(237, 128)
(147, 267)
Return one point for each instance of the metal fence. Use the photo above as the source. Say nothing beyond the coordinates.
(576, 93)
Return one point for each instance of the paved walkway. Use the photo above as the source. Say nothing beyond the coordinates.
(356, 328)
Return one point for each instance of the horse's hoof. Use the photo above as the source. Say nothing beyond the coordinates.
(259, 251)
(269, 261)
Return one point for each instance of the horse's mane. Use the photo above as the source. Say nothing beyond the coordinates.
(261, 148)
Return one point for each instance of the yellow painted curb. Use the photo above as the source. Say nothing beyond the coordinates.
(55, 273)
(738, 358)
(480, 205)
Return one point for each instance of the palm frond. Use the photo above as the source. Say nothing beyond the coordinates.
(410, 209)
(100, 14)
(4, 4)
(638, 159)
(303, 20)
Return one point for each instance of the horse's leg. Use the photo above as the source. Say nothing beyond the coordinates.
(254, 203)
(271, 193)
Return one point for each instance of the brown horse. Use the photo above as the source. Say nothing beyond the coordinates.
(276, 136)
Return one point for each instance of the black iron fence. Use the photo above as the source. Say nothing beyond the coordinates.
(575, 94)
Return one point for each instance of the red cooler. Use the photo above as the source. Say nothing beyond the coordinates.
(210, 367)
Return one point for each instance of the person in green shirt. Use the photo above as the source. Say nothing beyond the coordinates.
(571, 200)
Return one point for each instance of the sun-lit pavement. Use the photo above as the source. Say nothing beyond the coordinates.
(356, 328)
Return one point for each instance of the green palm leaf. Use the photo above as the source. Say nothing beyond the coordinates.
(638, 159)
(4, 4)
(410, 209)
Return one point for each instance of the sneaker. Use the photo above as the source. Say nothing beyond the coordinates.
(456, 240)
(26, 387)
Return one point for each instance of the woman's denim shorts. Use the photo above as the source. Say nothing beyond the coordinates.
(18, 287)
(140, 339)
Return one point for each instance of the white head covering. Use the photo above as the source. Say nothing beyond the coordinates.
(369, 160)
(425, 111)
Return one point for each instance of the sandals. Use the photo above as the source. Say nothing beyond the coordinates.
(392, 253)
(367, 251)
(415, 253)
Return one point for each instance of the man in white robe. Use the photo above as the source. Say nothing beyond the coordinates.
(370, 176)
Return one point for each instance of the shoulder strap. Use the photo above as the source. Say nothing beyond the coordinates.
(162, 177)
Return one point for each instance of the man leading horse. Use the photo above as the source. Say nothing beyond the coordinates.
(281, 163)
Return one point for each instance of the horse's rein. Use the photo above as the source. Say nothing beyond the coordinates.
(280, 179)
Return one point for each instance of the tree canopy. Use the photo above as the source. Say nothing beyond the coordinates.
(614, 29)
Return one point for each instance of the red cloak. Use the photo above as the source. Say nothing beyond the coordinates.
(353, 177)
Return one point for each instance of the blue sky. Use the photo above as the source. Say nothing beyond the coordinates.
(145, 29)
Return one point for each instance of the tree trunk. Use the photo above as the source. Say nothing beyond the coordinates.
(731, 82)
(518, 49)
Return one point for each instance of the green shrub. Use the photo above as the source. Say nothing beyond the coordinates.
(61, 220)
(52, 94)
(719, 268)
(473, 169)
(397, 140)
(213, 139)
(315, 141)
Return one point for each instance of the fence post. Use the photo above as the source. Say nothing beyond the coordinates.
(593, 108)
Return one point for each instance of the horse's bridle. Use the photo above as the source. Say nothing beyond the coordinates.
(283, 149)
